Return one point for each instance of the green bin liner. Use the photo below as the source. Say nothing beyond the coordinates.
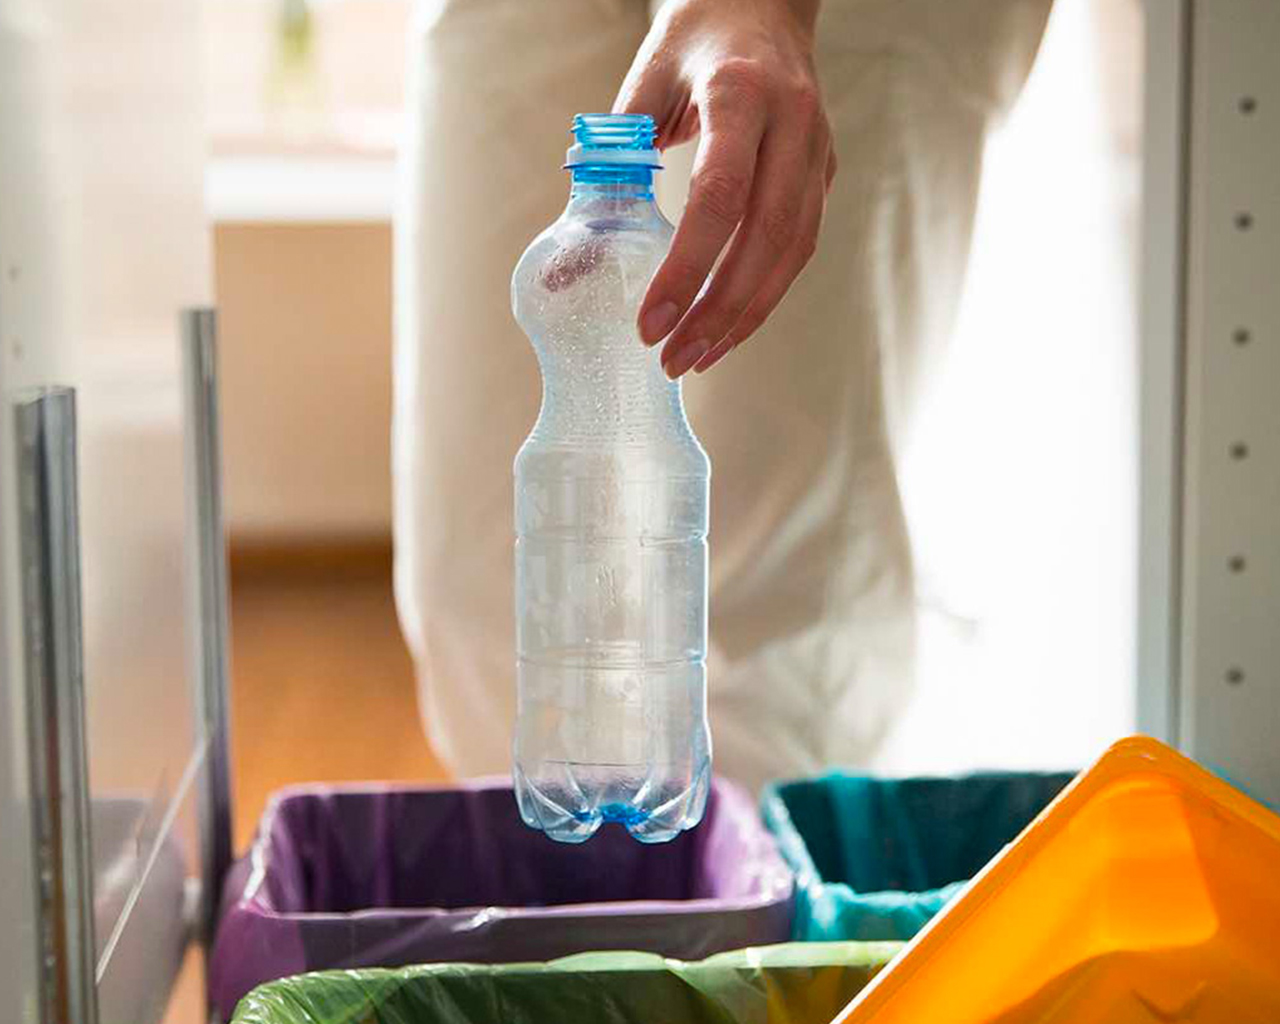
(792, 983)
(876, 858)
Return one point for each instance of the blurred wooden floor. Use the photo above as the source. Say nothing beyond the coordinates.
(322, 686)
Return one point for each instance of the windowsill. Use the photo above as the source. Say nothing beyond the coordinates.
(304, 185)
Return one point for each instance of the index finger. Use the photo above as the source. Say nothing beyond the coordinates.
(718, 192)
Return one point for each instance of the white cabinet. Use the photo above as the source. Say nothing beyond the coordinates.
(1209, 651)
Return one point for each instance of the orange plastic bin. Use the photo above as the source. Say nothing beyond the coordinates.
(1148, 892)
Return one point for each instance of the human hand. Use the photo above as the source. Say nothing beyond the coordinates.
(740, 74)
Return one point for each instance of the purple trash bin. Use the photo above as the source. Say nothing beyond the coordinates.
(373, 876)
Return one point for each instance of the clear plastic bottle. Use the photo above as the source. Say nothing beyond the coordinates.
(611, 521)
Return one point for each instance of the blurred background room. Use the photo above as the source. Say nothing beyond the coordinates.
(304, 103)
(1089, 488)
(1021, 482)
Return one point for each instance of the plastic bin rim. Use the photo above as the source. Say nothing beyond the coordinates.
(870, 957)
(776, 787)
(916, 895)
(617, 908)
(791, 954)
(1131, 757)
(780, 884)
(774, 805)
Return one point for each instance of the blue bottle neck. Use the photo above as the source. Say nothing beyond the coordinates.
(612, 181)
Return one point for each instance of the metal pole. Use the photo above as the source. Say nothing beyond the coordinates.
(207, 552)
(1162, 359)
(45, 423)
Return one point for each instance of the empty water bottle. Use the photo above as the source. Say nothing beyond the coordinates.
(611, 521)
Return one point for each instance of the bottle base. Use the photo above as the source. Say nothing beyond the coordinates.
(566, 813)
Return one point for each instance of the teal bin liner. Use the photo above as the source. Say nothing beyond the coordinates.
(793, 983)
(877, 858)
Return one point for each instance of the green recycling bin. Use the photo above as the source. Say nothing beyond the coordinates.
(793, 983)
(876, 858)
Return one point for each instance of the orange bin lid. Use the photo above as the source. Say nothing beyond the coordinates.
(1148, 892)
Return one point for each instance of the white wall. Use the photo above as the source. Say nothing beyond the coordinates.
(306, 379)
(303, 130)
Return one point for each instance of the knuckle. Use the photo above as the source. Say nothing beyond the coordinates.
(806, 105)
(738, 80)
(778, 226)
(674, 20)
(722, 193)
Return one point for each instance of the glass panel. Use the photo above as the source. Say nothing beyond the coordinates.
(107, 243)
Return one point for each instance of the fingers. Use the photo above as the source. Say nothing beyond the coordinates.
(733, 121)
(775, 286)
(762, 244)
(778, 284)
(777, 239)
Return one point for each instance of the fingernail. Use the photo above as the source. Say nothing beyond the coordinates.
(686, 357)
(658, 322)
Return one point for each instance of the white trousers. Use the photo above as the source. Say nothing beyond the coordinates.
(811, 590)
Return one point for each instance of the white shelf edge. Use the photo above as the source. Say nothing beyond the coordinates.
(299, 190)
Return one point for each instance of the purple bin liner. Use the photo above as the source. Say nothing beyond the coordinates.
(375, 876)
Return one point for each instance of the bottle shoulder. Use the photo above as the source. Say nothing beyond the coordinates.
(581, 241)
(597, 258)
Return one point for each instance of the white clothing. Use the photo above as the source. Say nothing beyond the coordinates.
(811, 593)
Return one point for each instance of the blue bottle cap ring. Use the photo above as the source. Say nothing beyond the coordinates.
(579, 155)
